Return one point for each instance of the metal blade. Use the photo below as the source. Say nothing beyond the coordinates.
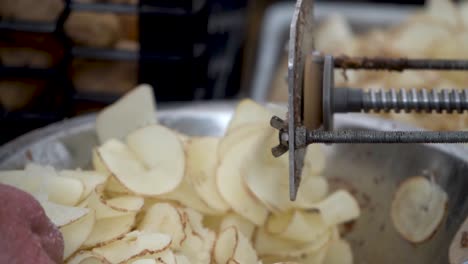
(300, 44)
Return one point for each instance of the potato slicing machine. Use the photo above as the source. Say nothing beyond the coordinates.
(313, 99)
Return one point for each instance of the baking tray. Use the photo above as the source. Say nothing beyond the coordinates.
(371, 172)
(277, 21)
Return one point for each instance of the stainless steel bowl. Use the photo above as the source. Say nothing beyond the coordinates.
(371, 172)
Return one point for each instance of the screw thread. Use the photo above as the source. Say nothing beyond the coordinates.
(409, 100)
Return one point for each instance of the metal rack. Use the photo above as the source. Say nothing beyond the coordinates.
(169, 57)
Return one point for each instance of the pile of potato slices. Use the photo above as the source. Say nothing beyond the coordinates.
(155, 195)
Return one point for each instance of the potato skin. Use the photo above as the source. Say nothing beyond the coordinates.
(26, 234)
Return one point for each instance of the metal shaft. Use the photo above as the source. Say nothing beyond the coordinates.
(383, 137)
(356, 100)
(399, 64)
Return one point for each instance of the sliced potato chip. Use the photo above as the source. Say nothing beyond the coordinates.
(186, 195)
(181, 259)
(297, 226)
(248, 111)
(98, 164)
(144, 261)
(235, 135)
(76, 233)
(243, 225)
(115, 187)
(62, 215)
(338, 208)
(159, 174)
(232, 247)
(40, 180)
(268, 244)
(339, 252)
(134, 245)
(117, 206)
(202, 160)
(166, 219)
(87, 257)
(107, 230)
(312, 190)
(230, 181)
(134, 110)
(90, 179)
(418, 207)
(200, 241)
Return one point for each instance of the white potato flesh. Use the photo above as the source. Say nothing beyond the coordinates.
(134, 110)
(98, 164)
(243, 225)
(339, 252)
(231, 245)
(107, 230)
(248, 111)
(134, 245)
(268, 244)
(269, 185)
(297, 226)
(202, 160)
(458, 248)
(418, 208)
(314, 160)
(200, 241)
(186, 195)
(231, 184)
(312, 190)
(338, 208)
(90, 179)
(160, 150)
(144, 261)
(235, 135)
(117, 206)
(115, 187)
(166, 219)
(181, 259)
(76, 233)
(139, 177)
(62, 215)
(44, 181)
(87, 257)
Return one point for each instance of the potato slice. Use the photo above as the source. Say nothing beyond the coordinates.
(98, 164)
(332, 33)
(233, 247)
(458, 250)
(134, 245)
(145, 261)
(117, 206)
(181, 259)
(62, 215)
(230, 181)
(90, 179)
(44, 181)
(248, 111)
(159, 174)
(76, 233)
(166, 219)
(107, 230)
(235, 135)
(115, 187)
(269, 185)
(339, 252)
(134, 110)
(200, 241)
(338, 208)
(268, 244)
(443, 11)
(243, 225)
(418, 207)
(312, 190)
(87, 257)
(186, 195)
(202, 160)
(297, 226)
(164, 257)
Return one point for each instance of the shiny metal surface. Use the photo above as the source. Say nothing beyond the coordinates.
(371, 172)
